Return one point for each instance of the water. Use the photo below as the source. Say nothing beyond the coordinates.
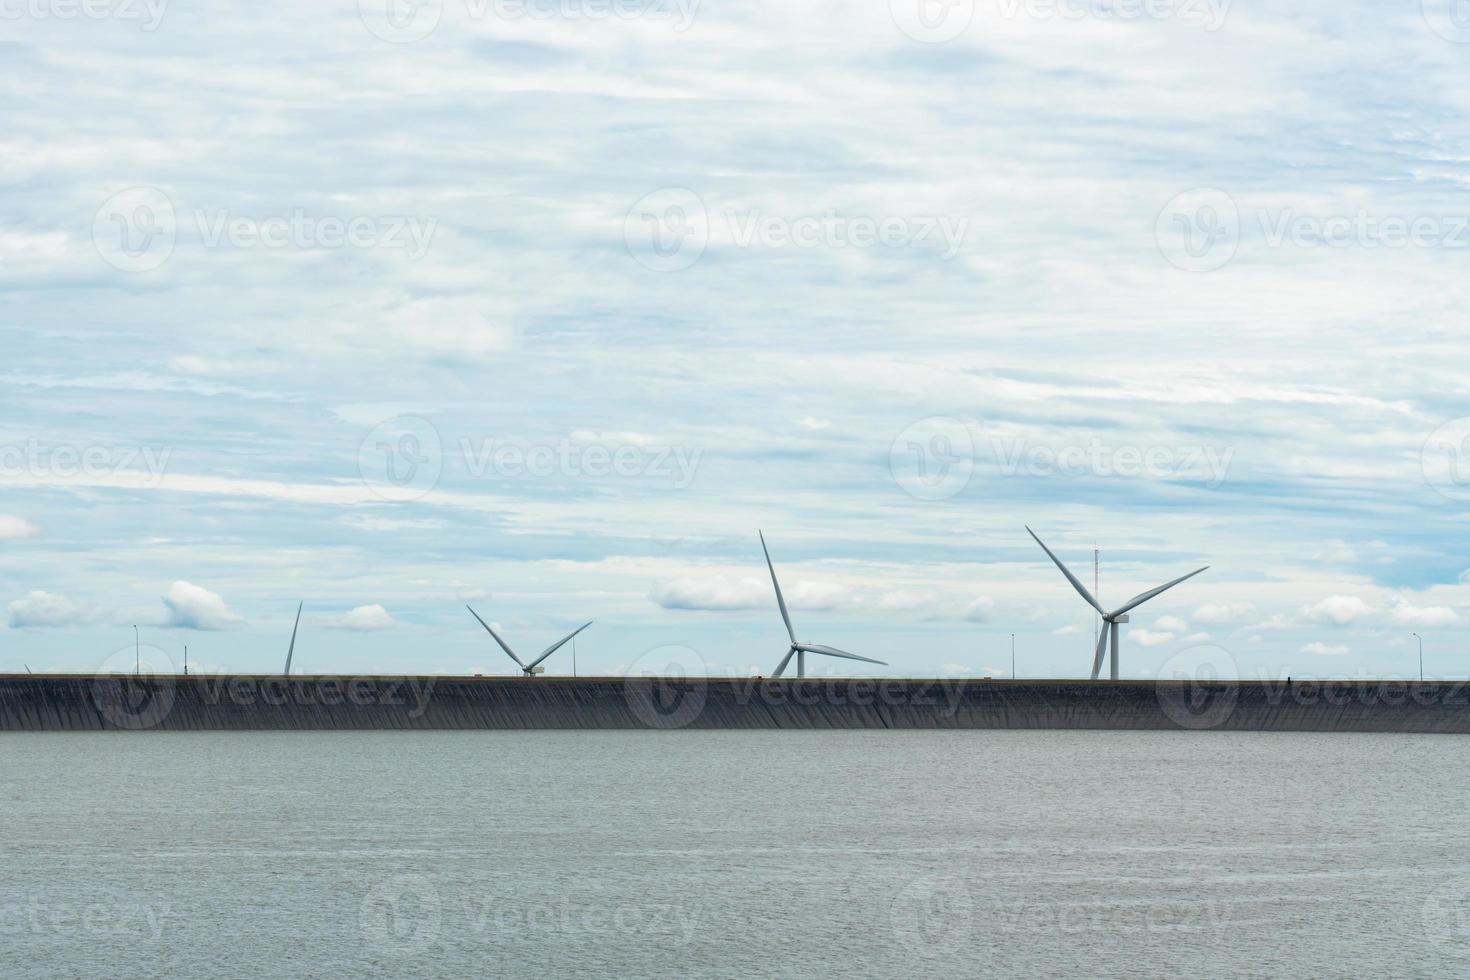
(721, 854)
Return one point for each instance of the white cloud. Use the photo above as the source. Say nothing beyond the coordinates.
(815, 595)
(1338, 610)
(713, 594)
(1425, 617)
(1324, 649)
(979, 611)
(44, 609)
(373, 522)
(905, 600)
(1071, 629)
(1222, 613)
(954, 670)
(1171, 624)
(1197, 638)
(1149, 638)
(365, 618)
(14, 528)
(194, 607)
(1337, 551)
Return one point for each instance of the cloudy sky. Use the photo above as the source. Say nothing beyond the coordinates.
(547, 305)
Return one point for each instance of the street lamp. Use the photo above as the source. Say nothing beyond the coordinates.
(1013, 656)
(137, 653)
(1421, 656)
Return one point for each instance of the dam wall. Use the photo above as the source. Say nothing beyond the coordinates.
(119, 702)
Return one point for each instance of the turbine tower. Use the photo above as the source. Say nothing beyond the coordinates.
(1110, 620)
(800, 650)
(534, 667)
(292, 648)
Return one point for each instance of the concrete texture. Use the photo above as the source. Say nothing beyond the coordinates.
(211, 703)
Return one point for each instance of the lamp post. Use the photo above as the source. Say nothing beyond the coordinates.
(137, 653)
(1421, 656)
(1013, 656)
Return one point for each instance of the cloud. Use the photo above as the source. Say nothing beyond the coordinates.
(1071, 629)
(1149, 638)
(1324, 649)
(1425, 617)
(46, 610)
(1222, 613)
(1171, 624)
(1337, 610)
(14, 528)
(979, 611)
(365, 619)
(1196, 638)
(905, 600)
(193, 607)
(954, 670)
(715, 594)
(816, 595)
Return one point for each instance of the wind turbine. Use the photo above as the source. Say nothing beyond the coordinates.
(292, 648)
(800, 650)
(1110, 620)
(534, 667)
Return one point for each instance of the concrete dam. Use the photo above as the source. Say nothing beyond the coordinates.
(123, 702)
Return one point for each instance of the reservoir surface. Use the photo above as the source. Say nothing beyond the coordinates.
(725, 853)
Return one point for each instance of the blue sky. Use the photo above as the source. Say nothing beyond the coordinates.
(547, 307)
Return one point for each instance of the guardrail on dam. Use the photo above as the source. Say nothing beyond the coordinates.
(257, 702)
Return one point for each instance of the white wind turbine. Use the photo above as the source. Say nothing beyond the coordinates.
(292, 648)
(534, 667)
(1110, 619)
(798, 649)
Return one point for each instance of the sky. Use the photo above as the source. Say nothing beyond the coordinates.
(547, 306)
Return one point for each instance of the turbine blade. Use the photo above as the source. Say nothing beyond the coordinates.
(1139, 600)
(292, 648)
(834, 652)
(557, 646)
(1081, 589)
(1102, 649)
(780, 600)
(784, 661)
(503, 645)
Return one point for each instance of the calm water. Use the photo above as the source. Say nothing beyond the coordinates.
(735, 854)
